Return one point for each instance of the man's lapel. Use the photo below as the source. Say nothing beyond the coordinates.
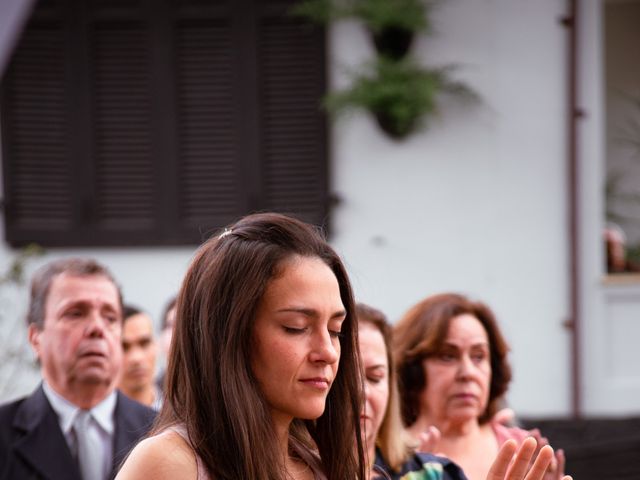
(132, 421)
(42, 444)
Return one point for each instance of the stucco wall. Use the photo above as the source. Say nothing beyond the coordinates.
(476, 203)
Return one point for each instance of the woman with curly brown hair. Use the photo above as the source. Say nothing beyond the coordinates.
(453, 373)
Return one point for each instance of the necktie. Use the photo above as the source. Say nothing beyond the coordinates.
(89, 447)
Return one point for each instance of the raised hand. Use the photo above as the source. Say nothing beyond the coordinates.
(555, 471)
(429, 440)
(515, 464)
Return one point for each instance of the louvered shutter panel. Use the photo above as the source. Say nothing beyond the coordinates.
(209, 194)
(121, 110)
(38, 184)
(291, 74)
(77, 139)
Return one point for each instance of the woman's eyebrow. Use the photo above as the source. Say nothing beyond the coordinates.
(310, 312)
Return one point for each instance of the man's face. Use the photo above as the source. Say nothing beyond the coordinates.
(79, 344)
(139, 349)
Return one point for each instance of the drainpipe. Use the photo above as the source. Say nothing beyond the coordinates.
(570, 21)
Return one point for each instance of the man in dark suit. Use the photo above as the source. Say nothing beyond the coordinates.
(76, 425)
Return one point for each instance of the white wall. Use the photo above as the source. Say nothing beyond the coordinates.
(475, 204)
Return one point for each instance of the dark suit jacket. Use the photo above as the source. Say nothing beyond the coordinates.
(32, 446)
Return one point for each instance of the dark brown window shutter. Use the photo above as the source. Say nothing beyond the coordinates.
(292, 82)
(155, 123)
(36, 156)
(122, 137)
(209, 188)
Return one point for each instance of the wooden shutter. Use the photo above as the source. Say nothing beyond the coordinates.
(156, 122)
(36, 152)
(77, 132)
(122, 136)
(291, 74)
(209, 191)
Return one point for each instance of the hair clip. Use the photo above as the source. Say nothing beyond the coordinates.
(227, 231)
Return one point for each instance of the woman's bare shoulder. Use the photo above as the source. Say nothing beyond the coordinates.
(163, 456)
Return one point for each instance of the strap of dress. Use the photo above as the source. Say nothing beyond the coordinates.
(182, 431)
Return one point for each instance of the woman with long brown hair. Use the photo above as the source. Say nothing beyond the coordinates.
(263, 379)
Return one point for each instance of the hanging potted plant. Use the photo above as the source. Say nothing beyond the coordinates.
(391, 23)
(401, 95)
(398, 92)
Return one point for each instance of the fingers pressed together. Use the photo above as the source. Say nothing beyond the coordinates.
(513, 463)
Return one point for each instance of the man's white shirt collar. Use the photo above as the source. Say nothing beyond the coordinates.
(67, 411)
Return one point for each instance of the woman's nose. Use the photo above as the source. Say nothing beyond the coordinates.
(367, 390)
(324, 349)
(465, 367)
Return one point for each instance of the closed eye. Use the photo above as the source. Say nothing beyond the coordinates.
(336, 334)
(294, 330)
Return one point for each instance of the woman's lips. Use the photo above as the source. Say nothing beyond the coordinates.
(466, 397)
(319, 383)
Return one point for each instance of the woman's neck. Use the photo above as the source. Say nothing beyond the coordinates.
(371, 459)
(295, 467)
(473, 450)
(281, 426)
(471, 445)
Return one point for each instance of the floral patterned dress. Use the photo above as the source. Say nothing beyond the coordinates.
(421, 466)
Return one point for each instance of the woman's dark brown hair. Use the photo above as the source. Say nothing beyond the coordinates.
(210, 386)
(421, 333)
